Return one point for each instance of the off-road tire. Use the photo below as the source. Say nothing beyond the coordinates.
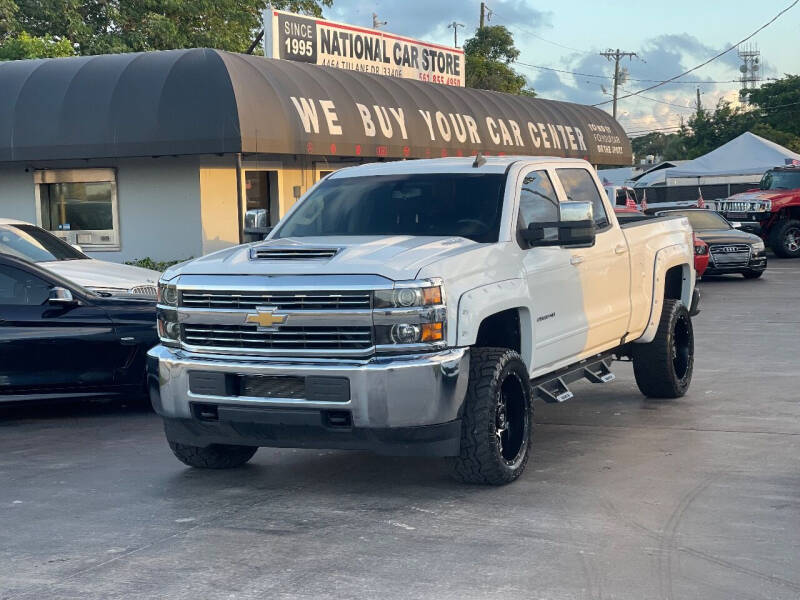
(663, 368)
(215, 456)
(779, 238)
(752, 274)
(492, 372)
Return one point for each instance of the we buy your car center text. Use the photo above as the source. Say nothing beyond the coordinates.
(445, 127)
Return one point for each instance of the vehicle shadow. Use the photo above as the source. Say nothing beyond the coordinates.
(716, 279)
(70, 409)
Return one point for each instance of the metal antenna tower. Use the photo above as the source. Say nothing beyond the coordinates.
(750, 69)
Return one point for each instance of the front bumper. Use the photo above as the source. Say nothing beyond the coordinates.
(751, 222)
(757, 262)
(401, 405)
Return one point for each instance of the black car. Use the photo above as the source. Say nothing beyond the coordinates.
(58, 340)
(730, 250)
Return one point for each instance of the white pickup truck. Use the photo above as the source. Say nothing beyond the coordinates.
(419, 307)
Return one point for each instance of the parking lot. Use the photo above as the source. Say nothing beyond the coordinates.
(624, 497)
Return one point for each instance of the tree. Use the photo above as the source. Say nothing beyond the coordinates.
(778, 103)
(488, 56)
(110, 26)
(8, 11)
(773, 113)
(26, 46)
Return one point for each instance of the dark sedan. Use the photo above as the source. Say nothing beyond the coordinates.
(58, 340)
(730, 250)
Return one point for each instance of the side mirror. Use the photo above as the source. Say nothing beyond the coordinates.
(256, 223)
(60, 295)
(575, 228)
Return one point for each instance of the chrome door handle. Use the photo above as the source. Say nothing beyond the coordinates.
(620, 249)
(576, 260)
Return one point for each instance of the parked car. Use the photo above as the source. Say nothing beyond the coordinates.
(772, 211)
(418, 307)
(730, 250)
(700, 255)
(58, 340)
(35, 244)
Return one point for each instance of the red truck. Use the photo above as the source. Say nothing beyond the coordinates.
(772, 211)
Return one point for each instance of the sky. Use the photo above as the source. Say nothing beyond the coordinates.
(668, 37)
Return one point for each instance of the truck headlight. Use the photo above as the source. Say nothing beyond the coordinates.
(410, 333)
(169, 329)
(167, 294)
(408, 294)
(410, 317)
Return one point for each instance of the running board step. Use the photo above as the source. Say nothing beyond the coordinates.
(554, 386)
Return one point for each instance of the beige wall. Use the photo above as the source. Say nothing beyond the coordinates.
(218, 207)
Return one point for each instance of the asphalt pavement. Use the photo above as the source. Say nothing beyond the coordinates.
(624, 497)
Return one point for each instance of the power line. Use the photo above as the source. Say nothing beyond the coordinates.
(610, 77)
(538, 37)
(654, 130)
(664, 102)
(713, 58)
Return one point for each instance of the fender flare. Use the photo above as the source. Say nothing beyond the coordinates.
(481, 302)
(666, 259)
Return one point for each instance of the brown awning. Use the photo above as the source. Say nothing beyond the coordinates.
(202, 101)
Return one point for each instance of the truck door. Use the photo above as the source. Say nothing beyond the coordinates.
(604, 268)
(556, 305)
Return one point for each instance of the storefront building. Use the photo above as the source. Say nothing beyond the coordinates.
(174, 154)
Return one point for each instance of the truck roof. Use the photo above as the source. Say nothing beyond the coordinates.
(493, 164)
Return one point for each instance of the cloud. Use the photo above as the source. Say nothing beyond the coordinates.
(661, 58)
(428, 19)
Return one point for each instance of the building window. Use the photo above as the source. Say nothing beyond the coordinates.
(79, 206)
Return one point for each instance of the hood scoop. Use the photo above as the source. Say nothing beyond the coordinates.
(292, 253)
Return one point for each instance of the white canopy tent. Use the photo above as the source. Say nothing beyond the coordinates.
(746, 157)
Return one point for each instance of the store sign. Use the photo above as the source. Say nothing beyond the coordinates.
(308, 39)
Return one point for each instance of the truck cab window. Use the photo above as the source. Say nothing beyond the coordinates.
(538, 202)
(580, 187)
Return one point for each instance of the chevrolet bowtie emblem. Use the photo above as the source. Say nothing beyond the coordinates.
(265, 318)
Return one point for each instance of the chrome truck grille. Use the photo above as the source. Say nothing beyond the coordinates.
(733, 206)
(287, 338)
(730, 255)
(282, 322)
(279, 300)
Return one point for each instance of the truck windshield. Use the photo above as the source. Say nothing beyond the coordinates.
(35, 244)
(451, 204)
(780, 180)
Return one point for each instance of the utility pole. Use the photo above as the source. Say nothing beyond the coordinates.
(616, 55)
(486, 14)
(455, 27)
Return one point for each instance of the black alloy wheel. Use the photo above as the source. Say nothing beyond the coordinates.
(512, 420)
(682, 345)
